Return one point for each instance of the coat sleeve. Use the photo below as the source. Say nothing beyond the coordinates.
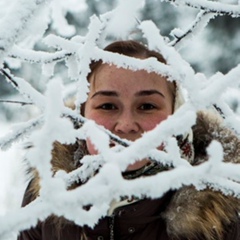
(33, 233)
(30, 234)
(233, 233)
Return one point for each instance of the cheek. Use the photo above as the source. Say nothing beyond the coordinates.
(106, 122)
(100, 118)
(90, 147)
(152, 121)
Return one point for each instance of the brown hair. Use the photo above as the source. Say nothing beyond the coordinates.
(129, 48)
(132, 49)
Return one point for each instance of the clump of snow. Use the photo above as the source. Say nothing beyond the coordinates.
(12, 180)
(123, 18)
(59, 9)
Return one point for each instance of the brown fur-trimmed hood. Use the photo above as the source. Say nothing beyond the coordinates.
(205, 214)
(190, 214)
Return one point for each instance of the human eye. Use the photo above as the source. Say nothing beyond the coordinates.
(147, 106)
(107, 106)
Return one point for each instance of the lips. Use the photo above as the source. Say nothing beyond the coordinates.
(130, 137)
(112, 144)
(126, 138)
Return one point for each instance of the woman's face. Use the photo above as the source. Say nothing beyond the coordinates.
(128, 103)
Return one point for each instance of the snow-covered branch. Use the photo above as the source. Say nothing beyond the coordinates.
(25, 89)
(31, 56)
(181, 37)
(210, 6)
(19, 132)
(201, 176)
(14, 23)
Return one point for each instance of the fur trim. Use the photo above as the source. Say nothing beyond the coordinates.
(179, 98)
(211, 127)
(190, 214)
(205, 214)
(62, 159)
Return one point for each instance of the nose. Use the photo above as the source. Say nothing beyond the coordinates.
(126, 123)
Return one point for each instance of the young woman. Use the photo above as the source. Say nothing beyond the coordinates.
(129, 103)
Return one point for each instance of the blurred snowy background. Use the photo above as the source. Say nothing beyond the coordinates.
(11, 175)
(215, 49)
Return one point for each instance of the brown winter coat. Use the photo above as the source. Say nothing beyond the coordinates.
(185, 214)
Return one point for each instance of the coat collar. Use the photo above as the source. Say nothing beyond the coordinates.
(190, 213)
(205, 214)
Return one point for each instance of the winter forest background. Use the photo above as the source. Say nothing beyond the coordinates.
(45, 49)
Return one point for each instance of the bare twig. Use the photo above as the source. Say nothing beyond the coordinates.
(219, 110)
(17, 102)
(14, 31)
(77, 119)
(39, 56)
(8, 77)
(203, 16)
(16, 135)
(210, 6)
(28, 127)
(25, 89)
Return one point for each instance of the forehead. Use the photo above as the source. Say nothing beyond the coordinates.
(111, 76)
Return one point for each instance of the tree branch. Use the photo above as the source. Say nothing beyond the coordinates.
(210, 6)
(17, 102)
(199, 23)
(9, 77)
(32, 56)
(23, 130)
(25, 89)
(15, 22)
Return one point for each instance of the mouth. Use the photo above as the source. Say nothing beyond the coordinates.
(116, 147)
(112, 144)
(127, 140)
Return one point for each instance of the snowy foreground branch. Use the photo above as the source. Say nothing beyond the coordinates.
(210, 6)
(13, 24)
(109, 182)
(59, 123)
(201, 21)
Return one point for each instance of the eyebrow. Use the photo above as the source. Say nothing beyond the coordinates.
(105, 93)
(148, 93)
(138, 94)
